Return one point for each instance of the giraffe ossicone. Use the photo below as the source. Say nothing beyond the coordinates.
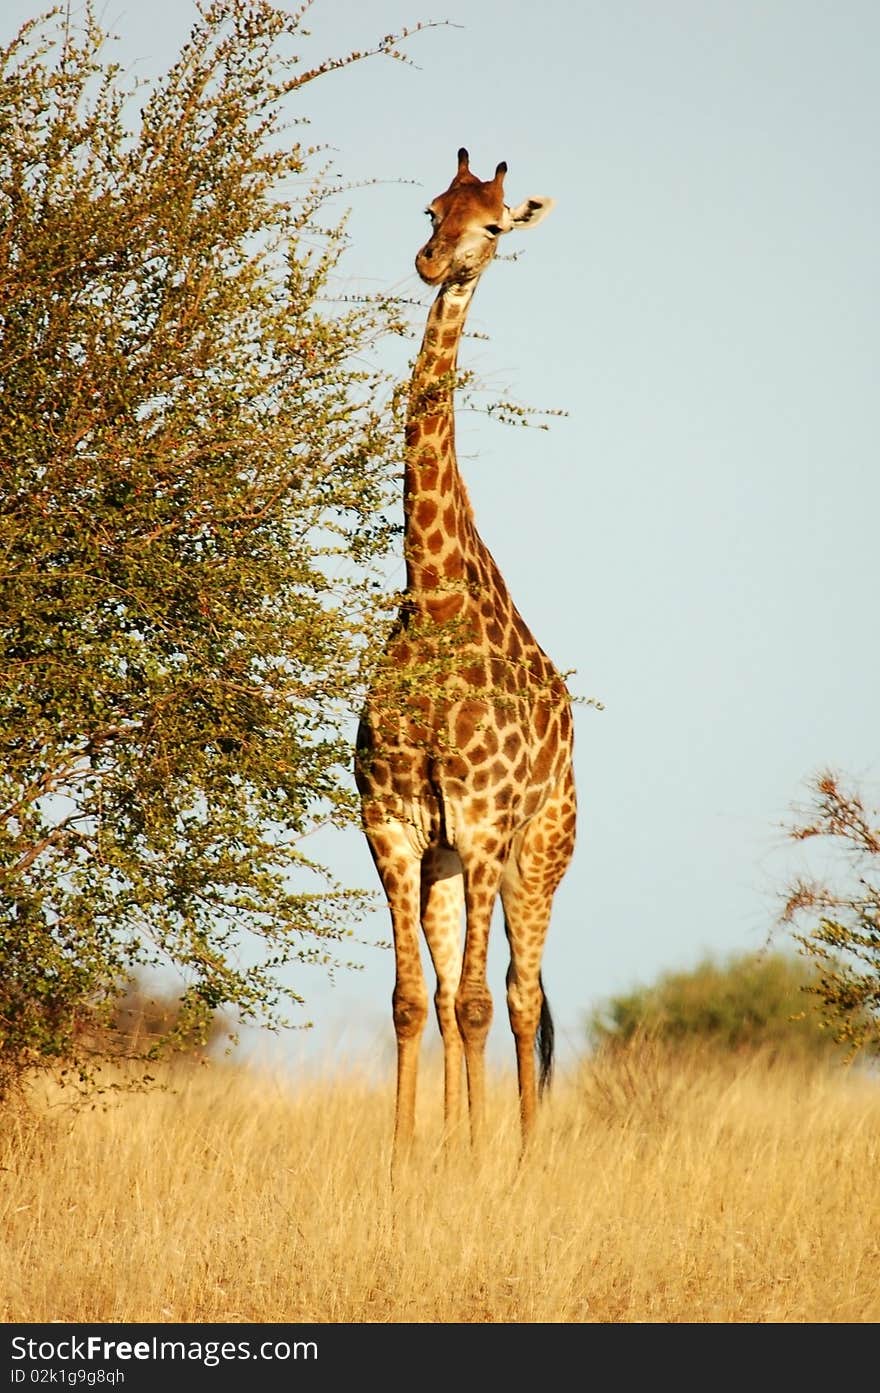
(464, 750)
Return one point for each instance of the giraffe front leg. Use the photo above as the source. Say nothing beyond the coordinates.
(442, 902)
(400, 872)
(410, 1007)
(473, 1001)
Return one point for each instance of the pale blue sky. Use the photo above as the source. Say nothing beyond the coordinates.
(697, 538)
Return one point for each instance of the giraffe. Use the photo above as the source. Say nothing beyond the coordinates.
(464, 750)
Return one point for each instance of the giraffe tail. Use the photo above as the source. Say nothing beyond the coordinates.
(544, 1043)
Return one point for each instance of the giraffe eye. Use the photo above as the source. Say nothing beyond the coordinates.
(493, 229)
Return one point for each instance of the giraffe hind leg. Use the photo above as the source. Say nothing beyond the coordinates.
(538, 862)
(526, 919)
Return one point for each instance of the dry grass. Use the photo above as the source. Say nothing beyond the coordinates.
(660, 1190)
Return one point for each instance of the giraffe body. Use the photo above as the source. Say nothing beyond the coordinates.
(465, 744)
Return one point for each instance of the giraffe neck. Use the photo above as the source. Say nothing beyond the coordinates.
(439, 536)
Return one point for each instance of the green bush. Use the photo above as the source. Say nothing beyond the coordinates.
(749, 1001)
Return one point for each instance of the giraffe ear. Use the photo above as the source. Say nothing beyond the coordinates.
(530, 213)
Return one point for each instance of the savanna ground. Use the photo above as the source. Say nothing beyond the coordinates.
(663, 1188)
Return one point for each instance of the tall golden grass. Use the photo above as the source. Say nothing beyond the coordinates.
(661, 1188)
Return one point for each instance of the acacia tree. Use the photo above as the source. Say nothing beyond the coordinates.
(195, 461)
(835, 918)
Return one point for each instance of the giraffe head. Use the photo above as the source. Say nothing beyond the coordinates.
(467, 221)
